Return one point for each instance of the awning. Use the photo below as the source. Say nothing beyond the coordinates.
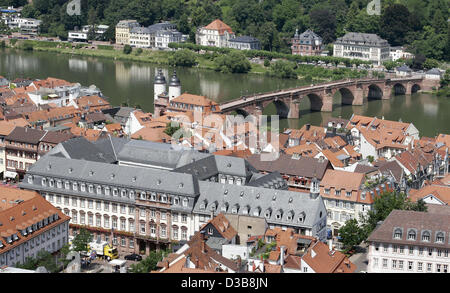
(10, 174)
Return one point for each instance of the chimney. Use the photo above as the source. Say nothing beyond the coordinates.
(308, 126)
(282, 256)
(202, 239)
(330, 244)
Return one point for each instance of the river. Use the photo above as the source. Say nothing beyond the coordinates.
(132, 83)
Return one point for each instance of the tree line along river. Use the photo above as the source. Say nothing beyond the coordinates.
(132, 83)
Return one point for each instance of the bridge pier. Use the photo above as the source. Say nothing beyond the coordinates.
(358, 96)
(294, 110)
(327, 103)
(387, 92)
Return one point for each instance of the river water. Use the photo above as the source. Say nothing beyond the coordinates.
(132, 83)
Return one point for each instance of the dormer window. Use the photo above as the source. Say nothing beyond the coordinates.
(44, 182)
(242, 194)
(412, 235)
(153, 196)
(176, 201)
(338, 192)
(83, 187)
(363, 195)
(15, 237)
(164, 198)
(51, 183)
(279, 214)
(235, 209)
(301, 217)
(75, 186)
(348, 193)
(246, 210)
(224, 207)
(143, 195)
(257, 212)
(107, 190)
(123, 193)
(67, 185)
(440, 237)
(268, 213)
(204, 204)
(9, 239)
(426, 236)
(131, 194)
(30, 179)
(115, 192)
(398, 233)
(290, 216)
(91, 189)
(185, 202)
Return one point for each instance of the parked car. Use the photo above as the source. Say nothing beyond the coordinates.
(133, 256)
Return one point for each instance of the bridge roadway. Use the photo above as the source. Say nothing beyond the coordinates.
(353, 92)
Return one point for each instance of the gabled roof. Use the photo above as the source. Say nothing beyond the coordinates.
(220, 26)
(322, 260)
(26, 135)
(223, 226)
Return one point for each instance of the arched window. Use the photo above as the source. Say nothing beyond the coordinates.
(425, 236)
(412, 235)
(440, 237)
(398, 233)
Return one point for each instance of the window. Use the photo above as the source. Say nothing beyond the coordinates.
(131, 243)
(114, 208)
(90, 219)
(440, 237)
(131, 225)
(142, 230)
(74, 201)
(411, 250)
(400, 264)
(430, 251)
(163, 216)
(185, 202)
(152, 229)
(106, 206)
(327, 191)
(175, 217)
(397, 233)
(99, 190)
(184, 218)
(98, 221)
(412, 235)
(425, 236)
(130, 210)
(348, 193)
(90, 204)
(91, 188)
(394, 263)
(410, 265)
(114, 223)
(98, 205)
(82, 203)
(445, 268)
(123, 224)
(438, 268)
(83, 187)
(420, 250)
(66, 200)
(123, 209)
(419, 266)
(385, 248)
(338, 192)
(163, 231)
(375, 262)
(401, 249)
(123, 241)
(175, 233)
(183, 234)
(385, 263)
(107, 190)
(106, 222)
(429, 267)
(394, 248)
(142, 213)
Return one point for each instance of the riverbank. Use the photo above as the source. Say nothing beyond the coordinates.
(310, 73)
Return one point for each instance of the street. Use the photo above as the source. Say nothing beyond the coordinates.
(360, 258)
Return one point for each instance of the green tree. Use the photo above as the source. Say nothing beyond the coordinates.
(81, 241)
(283, 69)
(234, 62)
(389, 65)
(171, 128)
(43, 259)
(127, 49)
(324, 23)
(149, 263)
(430, 63)
(395, 24)
(351, 234)
(183, 57)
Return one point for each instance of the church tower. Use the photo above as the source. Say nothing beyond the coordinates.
(159, 84)
(174, 86)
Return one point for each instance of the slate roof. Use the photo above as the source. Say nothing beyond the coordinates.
(304, 166)
(158, 154)
(271, 180)
(111, 174)
(80, 148)
(362, 39)
(244, 39)
(433, 221)
(260, 199)
(26, 135)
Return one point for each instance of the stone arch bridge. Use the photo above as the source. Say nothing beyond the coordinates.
(353, 92)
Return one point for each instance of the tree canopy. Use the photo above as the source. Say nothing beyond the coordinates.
(420, 24)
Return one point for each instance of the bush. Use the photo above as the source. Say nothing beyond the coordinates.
(127, 49)
(183, 57)
(283, 69)
(104, 47)
(27, 46)
(266, 62)
(3, 44)
(139, 51)
(234, 62)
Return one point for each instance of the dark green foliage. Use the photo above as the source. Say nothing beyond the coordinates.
(420, 23)
(81, 241)
(283, 69)
(149, 263)
(352, 234)
(43, 259)
(183, 57)
(127, 49)
(233, 62)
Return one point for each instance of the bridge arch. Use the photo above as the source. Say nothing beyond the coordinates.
(282, 110)
(315, 101)
(399, 89)
(241, 112)
(347, 96)
(375, 92)
(415, 88)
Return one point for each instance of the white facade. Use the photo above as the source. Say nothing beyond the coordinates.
(212, 38)
(61, 96)
(393, 258)
(233, 251)
(339, 211)
(51, 241)
(76, 35)
(174, 92)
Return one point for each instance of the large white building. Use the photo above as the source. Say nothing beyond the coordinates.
(29, 224)
(367, 47)
(215, 34)
(158, 35)
(411, 242)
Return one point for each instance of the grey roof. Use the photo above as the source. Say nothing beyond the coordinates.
(343, 157)
(140, 30)
(404, 68)
(160, 78)
(157, 154)
(308, 37)
(361, 168)
(111, 174)
(271, 180)
(214, 164)
(174, 81)
(304, 166)
(362, 39)
(260, 199)
(216, 242)
(80, 148)
(434, 71)
(111, 145)
(244, 39)
(162, 26)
